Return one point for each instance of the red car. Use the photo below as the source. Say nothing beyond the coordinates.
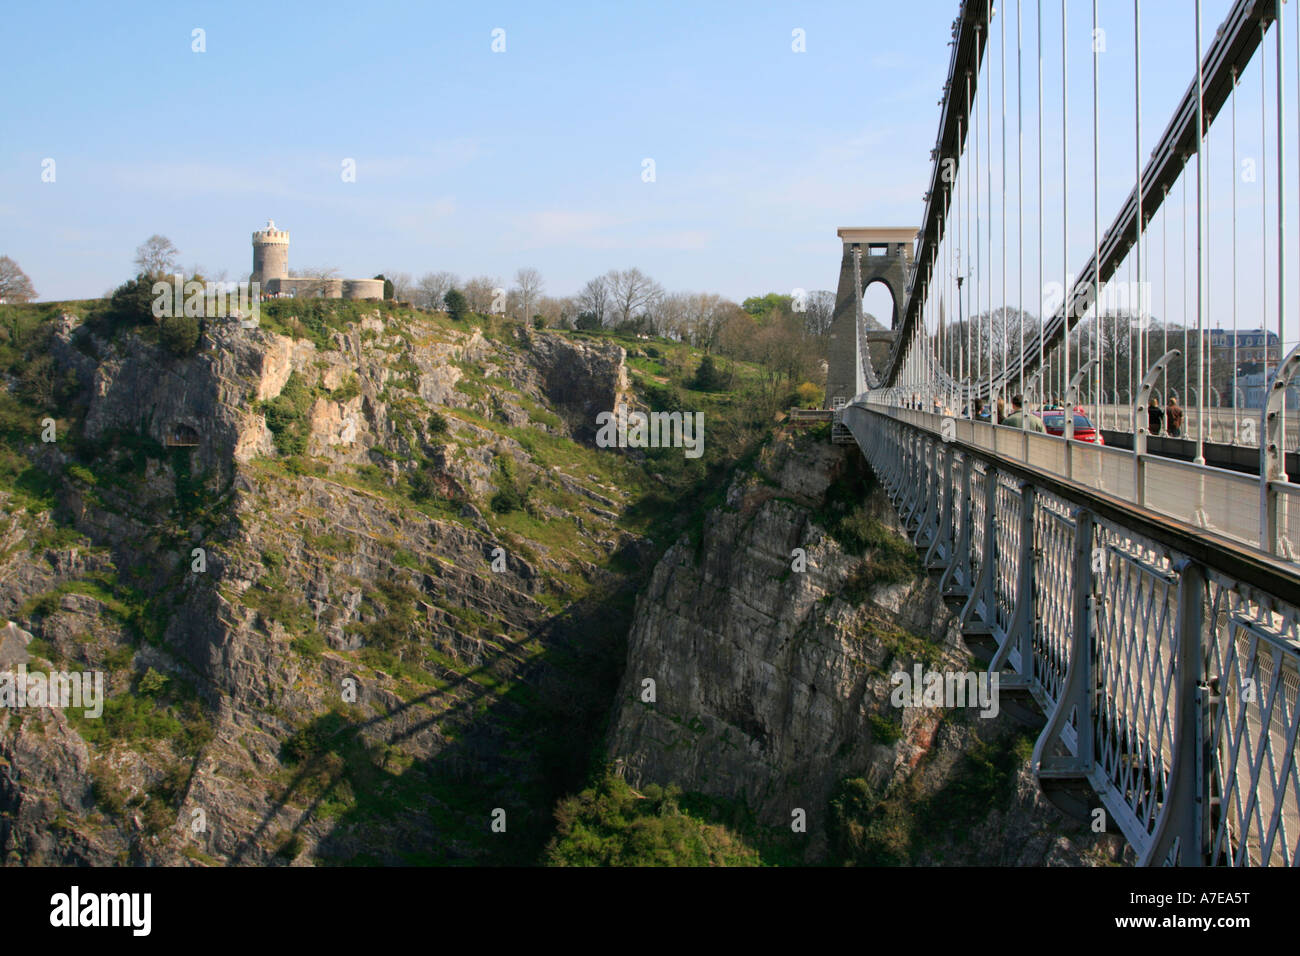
(1084, 430)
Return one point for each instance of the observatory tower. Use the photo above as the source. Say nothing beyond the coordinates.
(270, 254)
(271, 272)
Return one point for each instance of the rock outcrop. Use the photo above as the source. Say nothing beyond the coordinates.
(321, 641)
(772, 684)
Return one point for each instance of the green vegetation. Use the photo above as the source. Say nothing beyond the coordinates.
(610, 824)
(457, 307)
(158, 709)
(887, 557)
(708, 377)
(286, 416)
(868, 828)
(883, 730)
(512, 494)
(179, 334)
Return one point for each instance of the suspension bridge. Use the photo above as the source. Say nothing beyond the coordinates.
(1143, 594)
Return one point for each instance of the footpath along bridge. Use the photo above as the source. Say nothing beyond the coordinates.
(1150, 606)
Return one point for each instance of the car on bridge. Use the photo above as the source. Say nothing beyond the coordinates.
(1084, 430)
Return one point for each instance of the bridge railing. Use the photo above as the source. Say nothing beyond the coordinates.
(1166, 660)
(1214, 499)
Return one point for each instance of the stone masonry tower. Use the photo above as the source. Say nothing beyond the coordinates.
(270, 254)
(869, 255)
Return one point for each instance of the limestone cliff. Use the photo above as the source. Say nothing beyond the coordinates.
(345, 581)
(772, 684)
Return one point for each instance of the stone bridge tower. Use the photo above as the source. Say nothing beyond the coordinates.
(870, 255)
(270, 254)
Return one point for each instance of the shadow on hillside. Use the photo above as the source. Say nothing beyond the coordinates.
(518, 748)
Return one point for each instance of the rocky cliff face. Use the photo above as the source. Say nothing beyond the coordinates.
(771, 649)
(324, 637)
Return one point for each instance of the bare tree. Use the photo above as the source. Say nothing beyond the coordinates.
(403, 287)
(710, 314)
(820, 309)
(594, 298)
(673, 317)
(480, 292)
(14, 284)
(432, 287)
(156, 256)
(631, 292)
(529, 283)
(558, 313)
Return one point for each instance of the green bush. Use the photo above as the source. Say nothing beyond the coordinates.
(179, 334)
(511, 495)
(867, 830)
(286, 416)
(807, 395)
(349, 389)
(709, 377)
(456, 305)
(883, 730)
(610, 824)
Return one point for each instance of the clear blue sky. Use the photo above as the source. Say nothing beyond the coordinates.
(481, 162)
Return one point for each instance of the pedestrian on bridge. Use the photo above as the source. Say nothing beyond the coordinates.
(1155, 418)
(1174, 417)
(1020, 418)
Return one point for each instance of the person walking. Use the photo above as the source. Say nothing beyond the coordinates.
(1174, 418)
(1155, 418)
(1019, 418)
(1002, 411)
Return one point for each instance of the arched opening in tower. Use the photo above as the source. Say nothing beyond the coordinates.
(878, 314)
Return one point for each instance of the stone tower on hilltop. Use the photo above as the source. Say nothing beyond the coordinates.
(270, 254)
(271, 272)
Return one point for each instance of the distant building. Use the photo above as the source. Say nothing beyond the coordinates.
(1252, 386)
(271, 272)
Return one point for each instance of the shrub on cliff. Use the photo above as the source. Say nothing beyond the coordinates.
(511, 494)
(132, 301)
(610, 824)
(179, 334)
(286, 416)
(709, 377)
(457, 306)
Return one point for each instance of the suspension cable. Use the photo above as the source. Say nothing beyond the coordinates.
(1236, 433)
(1201, 163)
(1065, 204)
(1140, 237)
(1003, 223)
(1042, 319)
(1020, 197)
(1098, 382)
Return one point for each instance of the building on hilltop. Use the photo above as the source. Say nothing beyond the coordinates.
(271, 272)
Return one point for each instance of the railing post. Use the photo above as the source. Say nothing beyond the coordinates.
(983, 589)
(925, 527)
(941, 546)
(1021, 635)
(1272, 459)
(1183, 815)
(960, 563)
(1079, 692)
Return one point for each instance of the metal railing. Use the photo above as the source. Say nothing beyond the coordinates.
(1165, 657)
